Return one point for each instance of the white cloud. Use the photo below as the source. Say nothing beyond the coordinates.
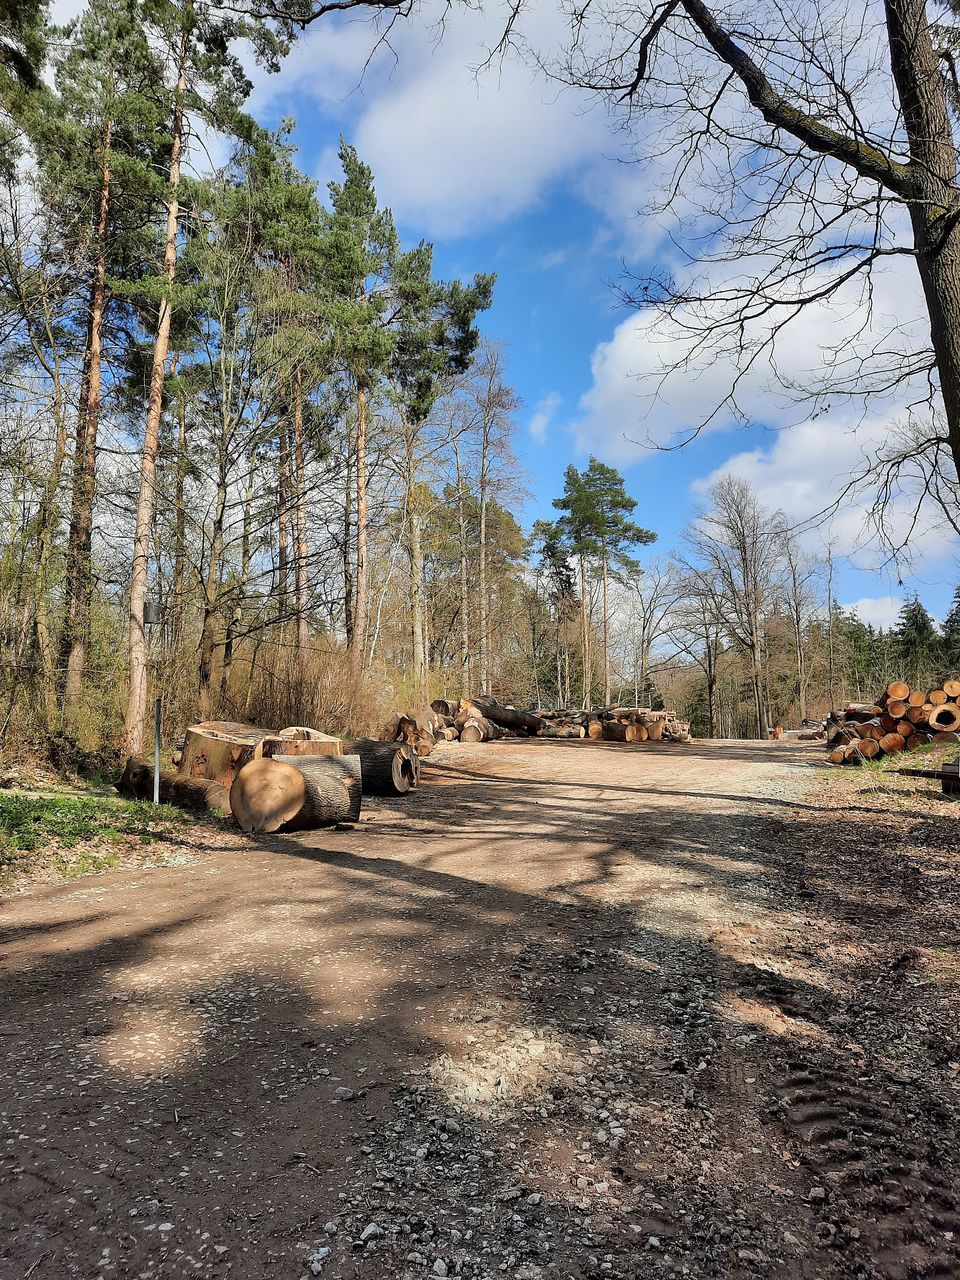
(543, 416)
(453, 149)
(877, 611)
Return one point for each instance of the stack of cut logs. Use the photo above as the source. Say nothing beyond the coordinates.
(902, 719)
(483, 719)
(293, 779)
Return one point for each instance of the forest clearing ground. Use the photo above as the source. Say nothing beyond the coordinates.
(571, 1009)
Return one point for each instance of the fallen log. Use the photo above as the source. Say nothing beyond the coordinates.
(562, 731)
(479, 729)
(400, 728)
(297, 792)
(386, 768)
(203, 795)
(444, 707)
(505, 717)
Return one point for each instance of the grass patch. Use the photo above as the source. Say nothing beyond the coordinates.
(76, 834)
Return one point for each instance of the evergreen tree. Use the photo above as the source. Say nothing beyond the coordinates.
(919, 646)
(951, 638)
(596, 520)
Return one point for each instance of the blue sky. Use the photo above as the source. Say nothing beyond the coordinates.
(504, 172)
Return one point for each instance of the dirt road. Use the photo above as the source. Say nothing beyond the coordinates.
(571, 1010)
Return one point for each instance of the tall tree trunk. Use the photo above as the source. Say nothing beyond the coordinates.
(46, 522)
(78, 572)
(606, 633)
(211, 599)
(465, 656)
(236, 616)
(283, 536)
(935, 203)
(585, 637)
(418, 611)
(300, 531)
(359, 638)
(179, 531)
(484, 619)
(348, 594)
(137, 636)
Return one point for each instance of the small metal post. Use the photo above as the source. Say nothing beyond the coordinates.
(156, 753)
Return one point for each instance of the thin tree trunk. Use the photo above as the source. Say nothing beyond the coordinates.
(300, 530)
(78, 572)
(211, 599)
(358, 643)
(606, 633)
(236, 617)
(348, 612)
(283, 537)
(179, 531)
(482, 584)
(137, 637)
(585, 637)
(465, 661)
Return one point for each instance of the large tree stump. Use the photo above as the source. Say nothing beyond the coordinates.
(219, 749)
(297, 792)
(479, 729)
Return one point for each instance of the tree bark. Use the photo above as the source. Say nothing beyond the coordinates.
(482, 575)
(300, 531)
(359, 637)
(585, 636)
(465, 662)
(78, 572)
(137, 636)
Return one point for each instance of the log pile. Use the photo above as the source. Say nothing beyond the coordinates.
(901, 719)
(483, 719)
(292, 778)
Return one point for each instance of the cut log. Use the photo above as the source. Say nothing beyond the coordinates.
(448, 734)
(917, 715)
(888, 723)
(322, 745)
(897, 709)
(444, 707)
(399, 728)
(945, 717)
(203, 795)
(942, 736)
(891, 743)
(562, 731)
(836, 755)
(916, 698)
(506, 717)
(937, 697)
(594, 730)
(655, 729)
(479, 729)
(297, 792)
(904, 728)
(951, 688)
(386, 768)
(852, 754)
(898, 691)
(218, 749)
(870, 748)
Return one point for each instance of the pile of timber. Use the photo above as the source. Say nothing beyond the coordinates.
(484, 719)
(901, 719)
(292, 779)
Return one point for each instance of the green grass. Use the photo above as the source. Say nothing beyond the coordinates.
(75, 834)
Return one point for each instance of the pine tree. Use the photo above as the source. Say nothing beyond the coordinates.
(360, 248)
(951, 638)
(919, 646)
(596, 510)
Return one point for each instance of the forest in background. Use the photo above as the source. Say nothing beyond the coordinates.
(241, 407)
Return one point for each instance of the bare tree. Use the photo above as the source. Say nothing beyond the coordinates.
(737, 543)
